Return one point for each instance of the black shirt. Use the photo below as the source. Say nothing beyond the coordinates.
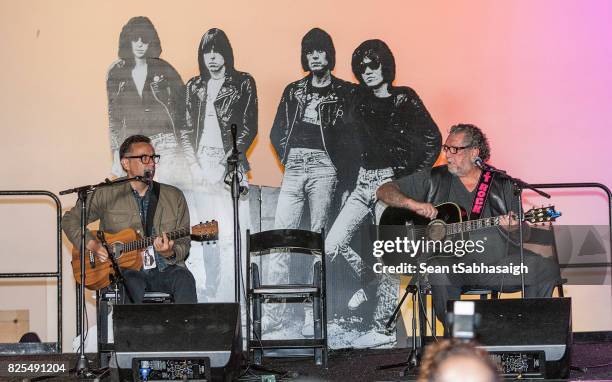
(307, 131)
(376, 115)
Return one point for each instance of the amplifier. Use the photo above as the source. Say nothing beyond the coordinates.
(106, 302)
(532, 335)
(179, 334)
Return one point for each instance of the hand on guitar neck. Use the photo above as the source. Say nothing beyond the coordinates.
(163, 245)
(509, 222)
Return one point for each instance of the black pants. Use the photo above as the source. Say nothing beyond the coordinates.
(541, 279)
(175, 280)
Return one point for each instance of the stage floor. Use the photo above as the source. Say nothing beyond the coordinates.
(361, 365)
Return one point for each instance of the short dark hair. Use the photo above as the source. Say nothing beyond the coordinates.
(318, 39)
(374, 50)
(139, 27)
(474, 137)
(215, 39)
(129, 141)
(437, 353)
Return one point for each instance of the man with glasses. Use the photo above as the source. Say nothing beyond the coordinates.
(457, 182)
(151, 209)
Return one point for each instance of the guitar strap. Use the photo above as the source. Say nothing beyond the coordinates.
(151, 210)
(482, 194)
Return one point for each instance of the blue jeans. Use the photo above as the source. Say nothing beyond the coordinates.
(309, 175)
(176, 280)
(359, 204)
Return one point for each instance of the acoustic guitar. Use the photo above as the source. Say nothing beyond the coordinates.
(127, 246)
(451, 223)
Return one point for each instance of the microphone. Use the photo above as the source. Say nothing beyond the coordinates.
(478, 162)
(147, 177)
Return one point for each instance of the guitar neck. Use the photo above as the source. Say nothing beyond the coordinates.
(472, 225)
(148, 241)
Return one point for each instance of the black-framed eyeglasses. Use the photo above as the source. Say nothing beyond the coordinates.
(373, 65)
(146, 159)
(454, 149)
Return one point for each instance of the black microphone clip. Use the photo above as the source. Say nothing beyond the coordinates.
(147, 177)
(478, 162)
(234, 131)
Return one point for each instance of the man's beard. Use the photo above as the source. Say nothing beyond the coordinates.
(455, 170)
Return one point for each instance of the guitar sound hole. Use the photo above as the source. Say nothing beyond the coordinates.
(436, 230)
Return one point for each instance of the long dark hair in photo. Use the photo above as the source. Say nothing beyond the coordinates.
(318, 39)
(139, 27)
(215, 40)
(375, 50)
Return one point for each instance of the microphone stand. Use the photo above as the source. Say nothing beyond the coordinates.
(83, 193)
(412, 363)
(519, 186)
(233, 162)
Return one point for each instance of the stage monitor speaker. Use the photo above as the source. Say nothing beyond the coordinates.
(520, 330)
(173, 331)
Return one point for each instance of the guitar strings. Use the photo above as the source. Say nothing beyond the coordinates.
(459, 227)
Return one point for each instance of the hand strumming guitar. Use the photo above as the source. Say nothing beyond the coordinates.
(98, 249)
(424, 209)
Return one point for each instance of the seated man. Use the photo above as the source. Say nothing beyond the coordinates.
(457, 182)
(151, 209)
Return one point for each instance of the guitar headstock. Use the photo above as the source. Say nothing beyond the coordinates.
(208, 231)
(541, 215)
